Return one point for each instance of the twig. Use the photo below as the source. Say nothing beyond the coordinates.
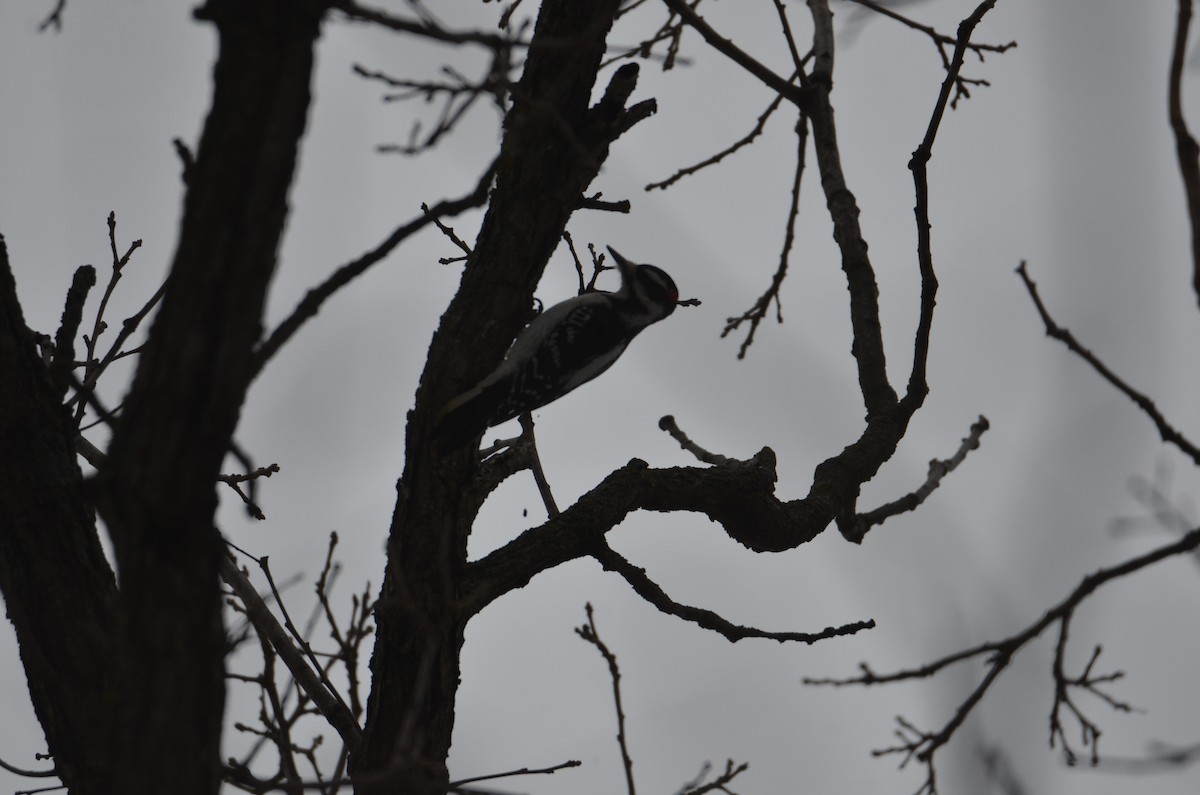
(449, 232)
(757, 312)
(795, 94)
(669, 425)
(315, 685)
(731, 772)
(455, 786)
(29, 773)
(316, 297)
(1186, 148)
(93, 367)
(745, 140)
(362, 13)
(1088, 730)
(909, 502)
(941, 41)
(1168, 433)
(921, 745)
(598, 266)
(652, 593)
(918, 385)
(64, 339)
(54, 18)
(233, 480)
(348, 643)
(588, 633)
(535, 466)
(1160, 757)
(594, 202)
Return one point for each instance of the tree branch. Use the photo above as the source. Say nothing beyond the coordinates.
(156, 491)
(316, 297)
(1168, 432)
(652, 593)
(589, 633)
(1186, 149)
(328, 702)
(937, 471)
(922, 745)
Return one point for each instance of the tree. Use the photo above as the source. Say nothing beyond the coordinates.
(151, 640)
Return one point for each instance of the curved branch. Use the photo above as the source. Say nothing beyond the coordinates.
(655, 595)
(938, 469)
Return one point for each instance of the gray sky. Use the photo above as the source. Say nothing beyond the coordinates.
(1066, 161)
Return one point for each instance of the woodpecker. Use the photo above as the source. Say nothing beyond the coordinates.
(566, 345)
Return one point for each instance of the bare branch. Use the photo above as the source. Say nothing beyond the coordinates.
(937, 471)
(94, 368)
(731, 772)
(64, 339)
(778, 84)
(922, 745)
(233, 480)
(652, 593)
(1168, 432)
(594, 202)
(669, 425)
(1088, 730)
(322, 694)
(52, 772)
(313, 300)
(54, 18)
(744, 141)
(941, 41)
(456, 786)
(757, 312)
(426, 28)
(535, 466)
(918, 386)
(589, 633)
(1186, 149)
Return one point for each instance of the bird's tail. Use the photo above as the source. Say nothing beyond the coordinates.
(467, 416)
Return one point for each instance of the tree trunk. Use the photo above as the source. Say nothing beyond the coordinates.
(553, 148)
(158, 488)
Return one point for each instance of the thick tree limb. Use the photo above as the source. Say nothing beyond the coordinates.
(157, 491)
(58, 589)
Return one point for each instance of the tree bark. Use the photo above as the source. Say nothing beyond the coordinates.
(58, 588)
(158, 489)
(553, 148)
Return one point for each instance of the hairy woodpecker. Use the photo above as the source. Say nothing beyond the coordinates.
(566, 345)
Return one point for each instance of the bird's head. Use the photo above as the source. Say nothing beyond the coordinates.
(647, 285)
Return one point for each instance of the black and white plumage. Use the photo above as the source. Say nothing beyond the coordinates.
(565, 346)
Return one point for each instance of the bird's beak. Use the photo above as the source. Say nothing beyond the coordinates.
(625, 266)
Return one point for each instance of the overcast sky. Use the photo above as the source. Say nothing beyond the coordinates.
(1066, 161)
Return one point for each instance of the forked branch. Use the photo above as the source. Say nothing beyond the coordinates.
(922, 745)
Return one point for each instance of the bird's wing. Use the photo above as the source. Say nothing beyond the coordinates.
(568, 345)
